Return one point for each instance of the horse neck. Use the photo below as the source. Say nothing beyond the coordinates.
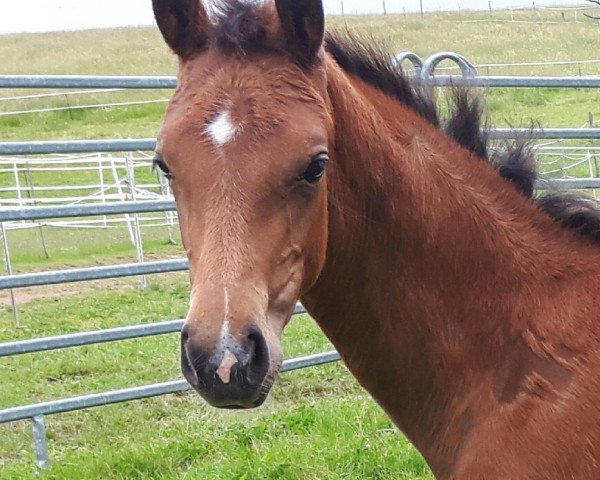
(433, 264)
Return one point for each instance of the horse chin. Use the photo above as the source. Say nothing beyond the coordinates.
(252, 399)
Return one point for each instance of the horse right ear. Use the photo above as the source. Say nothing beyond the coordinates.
(184, 24)
(303, 24)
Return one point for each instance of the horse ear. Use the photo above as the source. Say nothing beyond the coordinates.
(184, 24)
(303, 23)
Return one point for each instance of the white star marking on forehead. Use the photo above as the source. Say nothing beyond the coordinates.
(221, 129)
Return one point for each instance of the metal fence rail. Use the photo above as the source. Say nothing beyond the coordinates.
(516, 81)
(545, 133)
(167, 82)
(87, 81)
(149, 144)
(94, 273)
(9, 214)
(77, 146)
(36, 345)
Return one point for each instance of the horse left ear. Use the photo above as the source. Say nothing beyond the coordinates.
(303, 23)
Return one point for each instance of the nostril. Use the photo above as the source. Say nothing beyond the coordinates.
(186, 364)
(185, 334)
(258, 352)
(257, 348)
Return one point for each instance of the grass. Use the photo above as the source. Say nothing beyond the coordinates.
(207, 444)
(318, 423)
(85, 247)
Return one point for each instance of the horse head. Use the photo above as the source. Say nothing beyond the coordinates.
(245, 144)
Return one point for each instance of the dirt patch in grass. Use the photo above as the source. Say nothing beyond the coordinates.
(26, 295)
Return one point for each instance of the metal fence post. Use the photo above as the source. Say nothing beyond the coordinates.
(31, 191)
(137, 230)
(9, 271)
(39, 440)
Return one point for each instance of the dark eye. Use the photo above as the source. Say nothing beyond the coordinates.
(315, 169)
(159, 163)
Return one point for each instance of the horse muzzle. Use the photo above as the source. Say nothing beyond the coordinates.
(234, 374)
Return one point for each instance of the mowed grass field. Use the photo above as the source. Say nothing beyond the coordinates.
(318, 423)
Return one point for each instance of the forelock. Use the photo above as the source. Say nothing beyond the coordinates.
(242, 24)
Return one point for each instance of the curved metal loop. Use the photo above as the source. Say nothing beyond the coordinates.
(467, 68)
(412, 57)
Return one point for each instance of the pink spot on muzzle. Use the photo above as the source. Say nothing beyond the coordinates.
(224, 370)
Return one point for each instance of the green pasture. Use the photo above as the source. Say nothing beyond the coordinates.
(318, 424)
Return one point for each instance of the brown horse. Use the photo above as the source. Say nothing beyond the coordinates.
(309, 168)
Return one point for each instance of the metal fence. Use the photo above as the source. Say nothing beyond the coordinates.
(36, 412)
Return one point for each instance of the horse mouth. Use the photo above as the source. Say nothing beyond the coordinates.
(250, 399)
(257, 402)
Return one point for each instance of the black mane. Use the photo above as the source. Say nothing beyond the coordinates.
(466, 123)
(372, 64)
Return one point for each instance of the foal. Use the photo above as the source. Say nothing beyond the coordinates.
(316, 172)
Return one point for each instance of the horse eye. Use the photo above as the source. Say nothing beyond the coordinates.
(316, 169)
(159, 163)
